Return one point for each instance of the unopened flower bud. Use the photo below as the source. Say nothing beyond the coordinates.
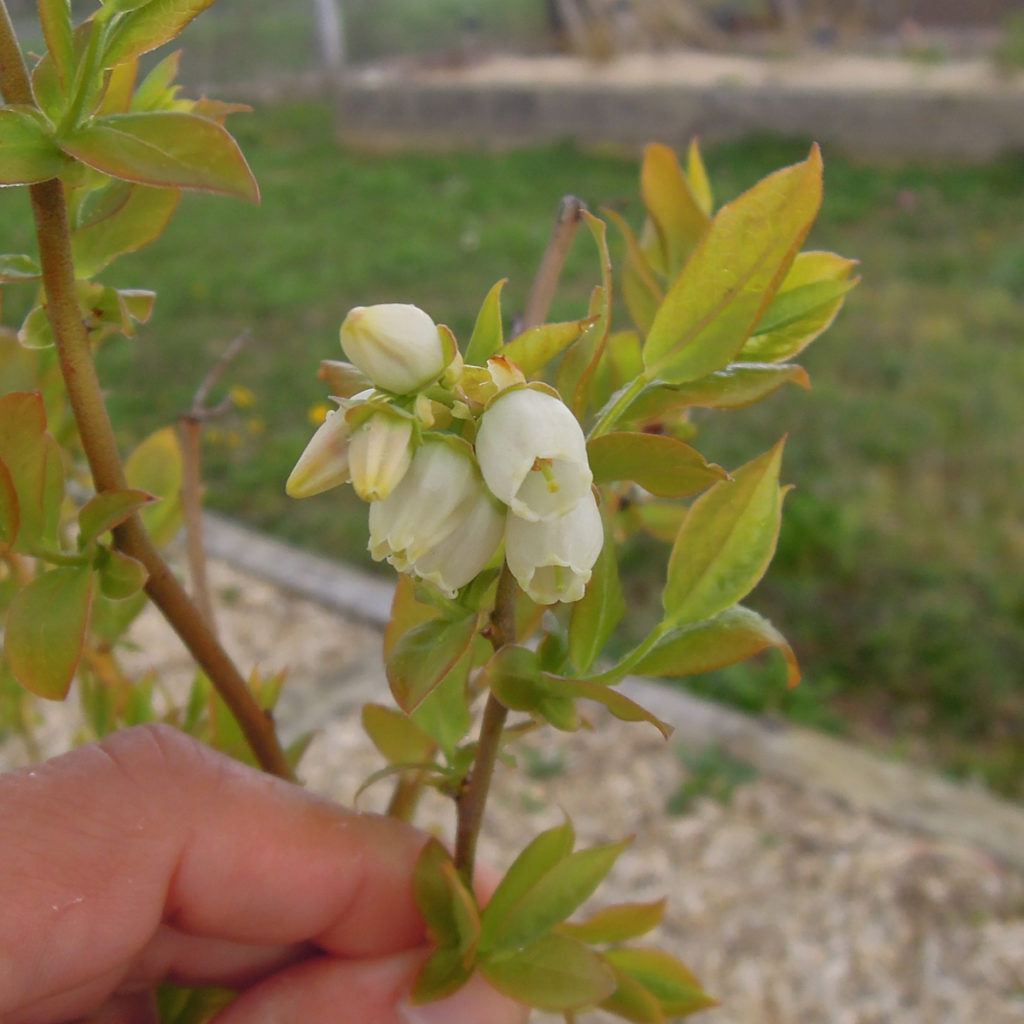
(396, 345)
(533, 454)
(379, 453)
(552, 559)
(324, 463)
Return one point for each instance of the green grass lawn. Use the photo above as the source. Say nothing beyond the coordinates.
(898, 576)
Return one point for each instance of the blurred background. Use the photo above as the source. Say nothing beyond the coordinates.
(899, 571)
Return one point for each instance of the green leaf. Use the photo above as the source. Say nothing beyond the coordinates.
(444, 973)
(618, 923)
(697, 175)
(150, 26)
(105, 511)
(808, 301)
(659, 464)
(444, 901)
(534, 348)
(27, 152)
(581, 361)
(55, 18)
(35, 331)
(33, 460)
(532, 864)
(730, 637)
(595, 616)
(46, 627)
(640, 288)
(396, 736)
(117, 95)
(677, 217)
(512, 674)
(487, 334)
(726, 542)
(407, 612)
(617, 704)
(155, 467)
(140, 216)
(551, 897)
(555, 973)
(15, 267)
(121, 576)
(733, 275)
(673, 983)
(739, 384)
(444, 713)
(10, 513)
(165, 148)
(157, 90)
(424, 655)
(633, 1002)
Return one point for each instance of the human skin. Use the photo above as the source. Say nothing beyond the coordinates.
(149, 857)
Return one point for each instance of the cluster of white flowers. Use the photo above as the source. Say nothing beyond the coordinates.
(441, 507)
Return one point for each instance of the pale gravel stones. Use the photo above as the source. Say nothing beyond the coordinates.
(791, 908)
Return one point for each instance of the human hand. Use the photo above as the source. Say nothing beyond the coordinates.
(149, 858)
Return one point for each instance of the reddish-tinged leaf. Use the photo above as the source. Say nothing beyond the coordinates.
(55, 18)
(10, 515)
(150, 26)
(659, 464)
(535, 861)
(105, 511)
(730, 637)
(632, 1001)
(672, 982)
(552, 897)
(168, 149)
(46, 627)
(619, 923)
(33, 461)
(155, 467)
(555, 973)
(618, 704)
(117, 96)
(406, 613)
(534, 348)
(487, 335)
(733, 275)
(446, 905)
(423, 657)
(27, 153)
(739, 384)
(640, 288)
(678, 219)
(137, 220)
(726, 542)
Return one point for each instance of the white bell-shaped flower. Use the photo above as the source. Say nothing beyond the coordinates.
(325, 461)
(552, 559)
(533, 454)
(379, 453)
(440, 522)
(396, 345)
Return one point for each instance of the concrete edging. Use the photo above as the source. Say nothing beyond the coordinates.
(895, 792)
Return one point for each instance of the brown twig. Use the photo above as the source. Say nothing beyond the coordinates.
(74, 353)
(190, 431)
(542, 291)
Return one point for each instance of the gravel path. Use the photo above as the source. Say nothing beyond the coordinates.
(791, 908)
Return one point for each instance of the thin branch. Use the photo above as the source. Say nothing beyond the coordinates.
(472, 800)
(74, 352)
(190, 431)
(542, 291)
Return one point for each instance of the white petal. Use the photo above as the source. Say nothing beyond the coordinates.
(552, 559)
(379, 455)
(532, 454)
(324, 463)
